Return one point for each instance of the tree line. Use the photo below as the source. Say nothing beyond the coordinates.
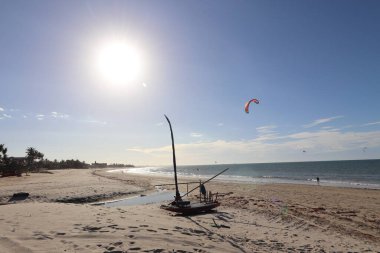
(32, 162)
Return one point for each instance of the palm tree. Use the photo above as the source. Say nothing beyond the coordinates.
(3, 153)
(8, 167)
(32, 155)
(3, 157)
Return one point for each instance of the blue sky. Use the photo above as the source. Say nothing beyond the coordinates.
(314, 66)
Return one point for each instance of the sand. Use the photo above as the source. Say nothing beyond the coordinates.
(58, 217)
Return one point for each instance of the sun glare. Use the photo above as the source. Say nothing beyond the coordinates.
(119, 63)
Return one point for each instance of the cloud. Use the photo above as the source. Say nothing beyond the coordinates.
(159, 124)
(40, 116)
(321, 121)
(58, 115)
(334, 140)
(7, 116)
(267, 133)
(196, 135)
(220, 124)
(158, 150)
(266, 129)
(319, 144)
(1, 109)
(372, 123)
(97, 122)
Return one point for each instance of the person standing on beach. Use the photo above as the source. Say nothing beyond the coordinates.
(318, 180)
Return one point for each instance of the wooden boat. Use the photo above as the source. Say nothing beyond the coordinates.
(191, 208)
(184, 206)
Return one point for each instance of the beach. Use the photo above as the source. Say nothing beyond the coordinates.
(59, 216)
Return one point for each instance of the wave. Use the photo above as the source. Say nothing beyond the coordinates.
(287, 176)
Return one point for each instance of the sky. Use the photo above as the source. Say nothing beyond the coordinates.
(313, 65)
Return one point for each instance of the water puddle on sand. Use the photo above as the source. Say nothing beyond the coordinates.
(141, 200)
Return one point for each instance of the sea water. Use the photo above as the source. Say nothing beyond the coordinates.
(351, 173)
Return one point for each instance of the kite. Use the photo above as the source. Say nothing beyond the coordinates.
(249, 102)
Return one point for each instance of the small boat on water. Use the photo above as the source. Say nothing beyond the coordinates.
(184, 206)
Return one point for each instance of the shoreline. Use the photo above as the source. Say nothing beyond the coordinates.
(263, 218)
(256, 182)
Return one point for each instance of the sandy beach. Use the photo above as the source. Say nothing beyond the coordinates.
(58, 216)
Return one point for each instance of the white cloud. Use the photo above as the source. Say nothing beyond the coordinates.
(153, 151)
(58, 115)
(266, 129)
(321, 121)
(97, 122)
(40, 116)
(266, 133)
(7, 116)
(318, 144)
(159, 124)
(196, 135)
(1, 109)
(220, 124)
(372, 123)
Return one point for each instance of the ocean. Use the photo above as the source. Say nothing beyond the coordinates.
(350, 173)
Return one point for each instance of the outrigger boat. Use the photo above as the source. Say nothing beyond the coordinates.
(184, 206)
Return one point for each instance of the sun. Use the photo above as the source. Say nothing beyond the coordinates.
(118, 62)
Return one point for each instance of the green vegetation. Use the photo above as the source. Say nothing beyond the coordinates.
(33, 162)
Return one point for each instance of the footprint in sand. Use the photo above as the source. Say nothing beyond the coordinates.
(91, 228)
(110, 248)
(115, 227)
(136, 248)
(41, 236)
(196, 231)
(199, 250)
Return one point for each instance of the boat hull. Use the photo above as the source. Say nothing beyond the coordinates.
(191, 208)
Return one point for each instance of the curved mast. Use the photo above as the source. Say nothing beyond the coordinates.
(177, 195)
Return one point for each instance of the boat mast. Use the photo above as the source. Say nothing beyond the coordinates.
(177, 195)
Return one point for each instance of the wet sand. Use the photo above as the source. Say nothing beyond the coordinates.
(58, 217)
